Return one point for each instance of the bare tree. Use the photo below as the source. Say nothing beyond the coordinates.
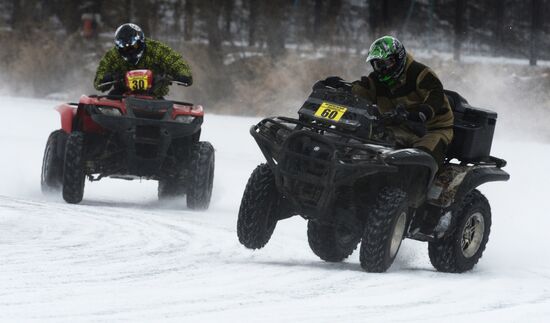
(189, 19)
(333, 12)
(253, 7)
(499, 22)
(536, 7)
(275, 27)
(459, 28)
(212, 13)
(317, 17)
(228, 7)
(177, 17)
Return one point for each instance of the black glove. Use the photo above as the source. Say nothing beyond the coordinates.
(109, 78)
(185, 80)
(106, 79)
(414, 118)
(420, 113)
(160, 79)
(401, 114)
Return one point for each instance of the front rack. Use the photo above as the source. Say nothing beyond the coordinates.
(310, 162)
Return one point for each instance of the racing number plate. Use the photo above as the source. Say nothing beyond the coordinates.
(330, 111)
(138, 82)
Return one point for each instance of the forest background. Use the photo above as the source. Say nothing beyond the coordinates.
(257, 57)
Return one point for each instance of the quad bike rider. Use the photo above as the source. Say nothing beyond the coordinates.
(399, 82)
(133, 51)
(373, 174)
(132, 132)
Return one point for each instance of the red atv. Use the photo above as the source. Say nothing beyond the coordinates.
(131, 136)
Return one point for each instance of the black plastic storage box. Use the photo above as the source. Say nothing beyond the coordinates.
(473, 130)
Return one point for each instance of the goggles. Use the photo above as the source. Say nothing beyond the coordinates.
(129, 46)
(128, 49)
(383, 65)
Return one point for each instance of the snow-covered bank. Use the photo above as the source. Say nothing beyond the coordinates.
(122, 256)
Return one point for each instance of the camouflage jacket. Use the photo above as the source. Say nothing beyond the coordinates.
(157, 57)
(417, 85)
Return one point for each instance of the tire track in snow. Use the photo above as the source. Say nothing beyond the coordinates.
(122, 256)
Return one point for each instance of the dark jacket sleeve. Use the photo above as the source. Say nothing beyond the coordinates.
(175, 65)
(430, 89)
(364, 88)
(107, 66)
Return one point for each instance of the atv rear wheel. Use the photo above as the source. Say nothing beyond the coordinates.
(258, 214)
(73, 168)
(51, 179)
(202, 176)
(384, 230)
(461, 250)
(332, 243)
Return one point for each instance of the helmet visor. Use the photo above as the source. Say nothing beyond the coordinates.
(128, 50)
(384, 66)
(131, 49)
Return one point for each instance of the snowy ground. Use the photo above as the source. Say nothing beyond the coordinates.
(121, 256)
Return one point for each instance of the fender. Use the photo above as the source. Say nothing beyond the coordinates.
(412, 157)
(479, 176)
(67, 112)
(454, 183)
(190, 110)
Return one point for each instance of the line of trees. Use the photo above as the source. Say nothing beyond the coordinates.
(493, 27)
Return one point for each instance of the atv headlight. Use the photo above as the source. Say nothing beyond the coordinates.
(109, 111)
(185, 119)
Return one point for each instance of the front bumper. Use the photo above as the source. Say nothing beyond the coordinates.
(146, 141)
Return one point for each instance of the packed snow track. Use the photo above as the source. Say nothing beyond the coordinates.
(121, 255)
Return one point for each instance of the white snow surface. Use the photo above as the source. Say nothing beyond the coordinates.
(121, 255)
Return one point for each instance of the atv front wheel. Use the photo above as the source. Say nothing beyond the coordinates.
(258, 213)
(51, 179)
(460, 251)
(384, 230)
(332, 243)
(202, 176)
(73, 168)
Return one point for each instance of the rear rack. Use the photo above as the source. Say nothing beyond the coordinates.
(488, 161)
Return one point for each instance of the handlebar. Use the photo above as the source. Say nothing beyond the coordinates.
(108, 84)
(157, 82)
(169, 79)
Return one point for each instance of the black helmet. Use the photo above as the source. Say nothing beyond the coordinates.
(130, 42)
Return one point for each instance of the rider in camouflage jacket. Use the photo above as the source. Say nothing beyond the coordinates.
(132, 51)
(399, 81)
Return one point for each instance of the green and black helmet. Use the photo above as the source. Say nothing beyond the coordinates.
(388, 59)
